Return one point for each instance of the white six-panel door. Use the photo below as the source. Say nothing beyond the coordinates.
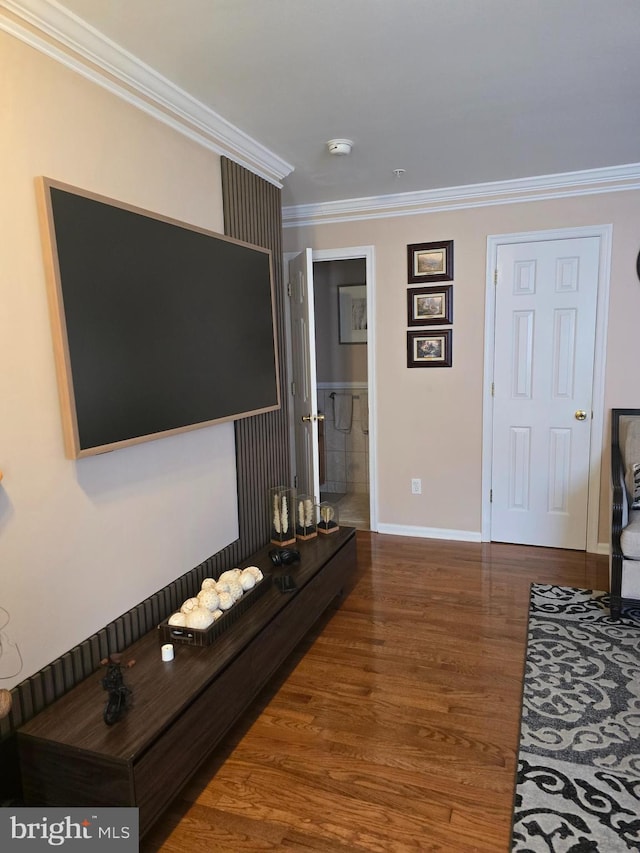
(545, 320)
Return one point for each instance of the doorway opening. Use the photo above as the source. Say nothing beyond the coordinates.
(331, 349)
(340, 304)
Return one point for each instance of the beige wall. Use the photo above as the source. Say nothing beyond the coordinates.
(83, 541)
(429, 422)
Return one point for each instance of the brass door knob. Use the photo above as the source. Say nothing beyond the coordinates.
(308, 418)
(580, 415)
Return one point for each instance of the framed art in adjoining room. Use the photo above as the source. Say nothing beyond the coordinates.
(429, 349)
(352, 313)
(430, 306)
(430, 262)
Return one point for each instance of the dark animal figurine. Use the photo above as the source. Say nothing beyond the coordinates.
(119, 694)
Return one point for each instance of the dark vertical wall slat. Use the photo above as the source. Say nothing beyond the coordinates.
(68, 673)
(22, 708)
(87, 658)
(127, 621)
(252, 211)
(48, 693)
(37, 691)
(58, 673)
(96, 657)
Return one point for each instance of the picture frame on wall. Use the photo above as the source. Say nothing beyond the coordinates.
(352, 313)
(430, 306)
(428, 262)
(430, 348)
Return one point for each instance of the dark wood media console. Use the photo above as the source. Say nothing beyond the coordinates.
(182, 709)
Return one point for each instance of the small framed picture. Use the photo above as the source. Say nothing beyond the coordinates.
(429, 349)
(430, 306)
(430, 262)
(352, 313)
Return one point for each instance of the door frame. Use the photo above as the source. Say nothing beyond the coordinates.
(346, 254)
(604, 233)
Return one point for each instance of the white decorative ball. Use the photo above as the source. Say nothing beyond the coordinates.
(189, 605)
(208, 598)
(226, 600)
(229, 576)
(178, 619)
(208, 583)
(235, 590)
(247, 580)
(256, 572)
(199, 617)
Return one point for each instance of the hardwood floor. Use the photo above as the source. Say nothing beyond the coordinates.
(394, 727)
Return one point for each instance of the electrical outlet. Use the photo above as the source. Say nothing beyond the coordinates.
(416, 486)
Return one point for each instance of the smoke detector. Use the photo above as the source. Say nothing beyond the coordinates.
(340, 146)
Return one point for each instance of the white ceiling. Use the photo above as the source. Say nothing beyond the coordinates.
(455, 92)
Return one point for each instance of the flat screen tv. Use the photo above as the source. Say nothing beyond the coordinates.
(159, 326)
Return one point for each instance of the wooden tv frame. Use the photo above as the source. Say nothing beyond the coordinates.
(63, 361)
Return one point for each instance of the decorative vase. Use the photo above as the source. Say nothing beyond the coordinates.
(306, 517)
(327, 518)
(281, 511)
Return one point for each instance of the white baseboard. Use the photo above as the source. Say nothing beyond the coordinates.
(429, 532)
(456, 535)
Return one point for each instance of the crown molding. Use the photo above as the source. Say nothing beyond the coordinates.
(588, 182)
(53, 30)
(50, 28)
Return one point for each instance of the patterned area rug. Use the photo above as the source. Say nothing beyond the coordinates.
(578, 781)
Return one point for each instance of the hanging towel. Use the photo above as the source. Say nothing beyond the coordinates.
(364, 412)
(343, 412)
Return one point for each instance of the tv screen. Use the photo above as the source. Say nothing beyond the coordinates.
(159, 326)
